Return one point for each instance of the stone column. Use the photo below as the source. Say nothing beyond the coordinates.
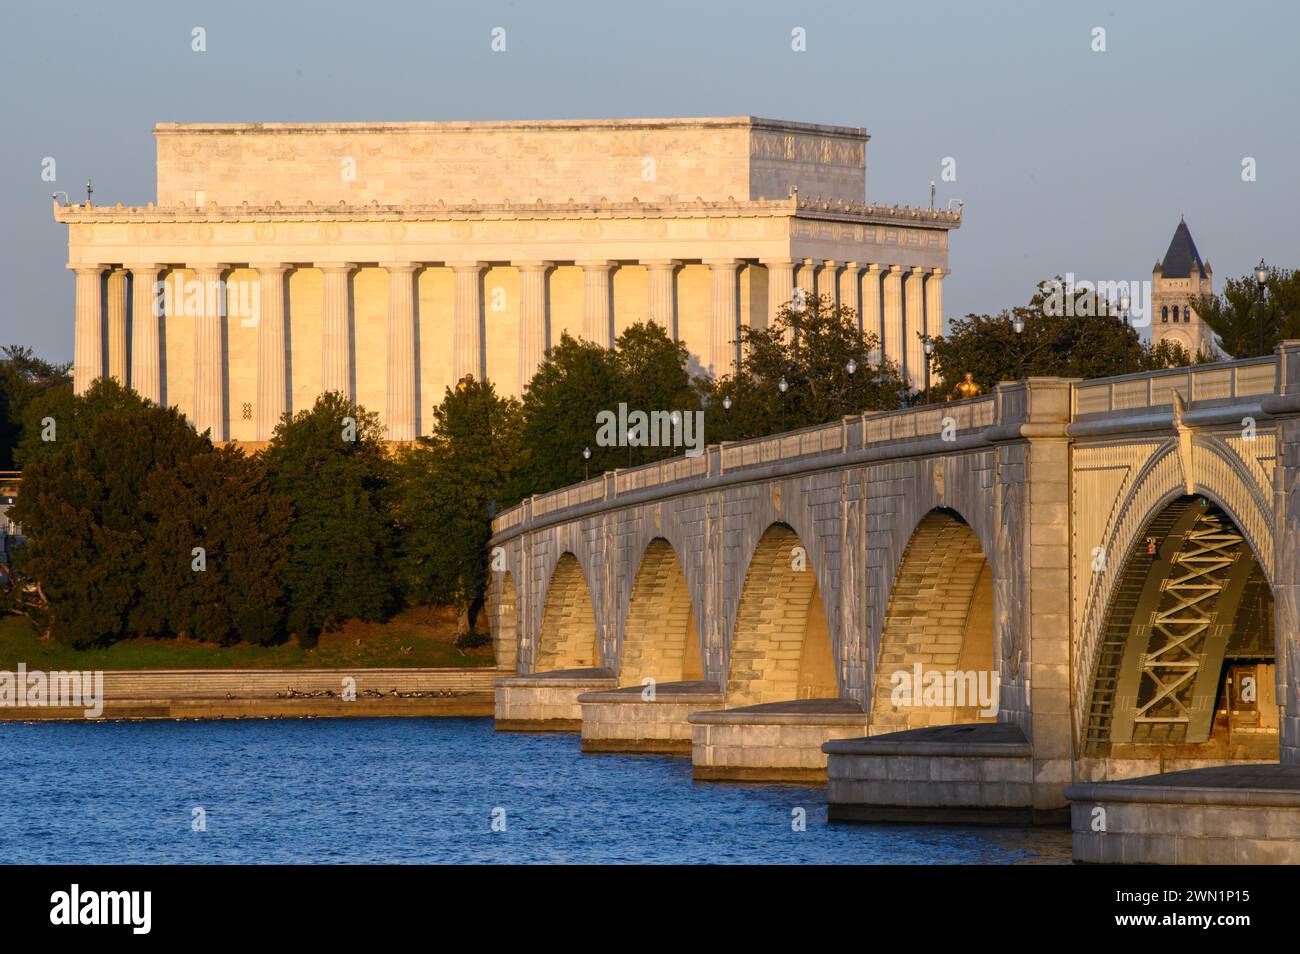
(336, 342)
(826, 278)
(662, 295)
(595, 303)
(117, 360)
(399, 409)
(88, 340)
(532, 319)
(934, 303)
(146, 348)
(892, 336)
(806, 278)
(466, 321)
(272, 383)
(780, 287)
(914, 349)
(850, 296)
(871, 304)
(722, 326)
(209, 411)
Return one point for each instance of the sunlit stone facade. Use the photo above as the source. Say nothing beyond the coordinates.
(388, 260)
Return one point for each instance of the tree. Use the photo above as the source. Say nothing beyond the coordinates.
(330, 462)
(577, 381)
(810, 347)
(219, 549)
(653, 370)
(23, 378)
(81, 508)
(1234, 315)
(452, 482)
(1071, 333)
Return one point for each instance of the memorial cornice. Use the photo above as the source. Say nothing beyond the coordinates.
(816, 209)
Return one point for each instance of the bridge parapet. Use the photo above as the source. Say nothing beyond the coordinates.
(853, 433)
(1133, 394)
(911, 423)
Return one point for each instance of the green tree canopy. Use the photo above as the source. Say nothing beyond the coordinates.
(646, 371)
(452, 483)
(23, 378)
(330, 462)
(82, 508)
(1234, 315)
(232, 590)
(811, 348)
(1071, 333)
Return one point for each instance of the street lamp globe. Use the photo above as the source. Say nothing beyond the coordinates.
(783, 385)
(1261, 273)
(928, 345)
(1017, 324)
(726, 403)
(586, 453)
(851, 367)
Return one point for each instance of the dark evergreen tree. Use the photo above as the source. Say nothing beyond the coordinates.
(81, 508)
(452, 483)
(330, 462)
(219, 549)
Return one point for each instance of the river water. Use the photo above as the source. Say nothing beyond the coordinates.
(419, 790)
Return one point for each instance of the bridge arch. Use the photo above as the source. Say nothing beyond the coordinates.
(1186, 666)
(1205, 467)
(660, 639)
(936, 662)
(781, 646)
(568, 638)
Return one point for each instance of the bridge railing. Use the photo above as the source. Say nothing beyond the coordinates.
(912, 423)
(838, 437)
(1221, 381)
(571, 496)
(660, 472)
(821, 439)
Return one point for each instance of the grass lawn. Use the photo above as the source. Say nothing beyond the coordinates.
(428, 636)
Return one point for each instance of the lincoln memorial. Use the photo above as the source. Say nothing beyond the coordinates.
(388, 260)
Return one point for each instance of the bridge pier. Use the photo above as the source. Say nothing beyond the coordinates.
(773, 742)
(546, 701)
(1235, 814)
(634, 719)
(978, 773)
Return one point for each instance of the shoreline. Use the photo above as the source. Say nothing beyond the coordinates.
(136, 695)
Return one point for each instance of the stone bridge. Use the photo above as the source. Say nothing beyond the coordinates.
(1113, 561)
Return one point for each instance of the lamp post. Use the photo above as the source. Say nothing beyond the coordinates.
(1123, 313)
(783, 385)
(1018, 326)
(927, 344)
(726, 416)
(1261, 278)
(586, 461)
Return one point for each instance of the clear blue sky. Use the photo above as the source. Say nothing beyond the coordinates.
(1068, 160)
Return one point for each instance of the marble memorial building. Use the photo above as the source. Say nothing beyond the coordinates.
(388, 260)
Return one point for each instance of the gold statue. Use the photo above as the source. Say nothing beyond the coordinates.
(966, 388)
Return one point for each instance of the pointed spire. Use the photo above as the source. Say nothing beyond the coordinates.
(1182, 255)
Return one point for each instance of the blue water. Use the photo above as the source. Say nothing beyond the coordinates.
(418, 790)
